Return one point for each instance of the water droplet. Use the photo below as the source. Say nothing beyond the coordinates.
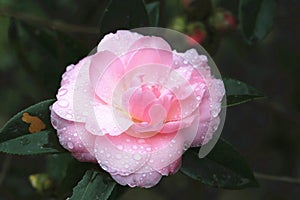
(24, 141)
(151, 161)
(215, 127)
(173, 141)
(118, 156)
(134, 147)
(62, 92)
(108, 155)
(185, 62)
(144, 175)
(75, 134)
(69, 68)
(104, 167)
(126, 166)
(141, 141)
(70, 145)
(63, 103)
(68, 116)
(120, 147)
(137, 157)
(101, 151)
(148, 148)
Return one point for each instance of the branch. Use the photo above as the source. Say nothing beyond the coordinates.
(54, 25)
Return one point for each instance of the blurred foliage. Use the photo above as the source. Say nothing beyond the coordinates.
(38, 39)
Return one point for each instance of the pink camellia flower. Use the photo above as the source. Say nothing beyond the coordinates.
(135, 106)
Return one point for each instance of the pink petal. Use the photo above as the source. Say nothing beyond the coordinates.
(150, 42)
(139, 101)
(107, 74)
(107, 120)
(74, 85)
(69, 138)
(167, 148)
(149, 56)
(172, 168)
(118, 42)
(144, 180)
(99, 63)
(157, 115)
(121, 155)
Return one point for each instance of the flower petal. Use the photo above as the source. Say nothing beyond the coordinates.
(69, 138)
(121, 155)
(144, 180)
(118, 42)
(74, 85)
(107, 120)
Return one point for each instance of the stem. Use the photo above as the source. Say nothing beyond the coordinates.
(277, 178)
(39, 22)
(5, 167)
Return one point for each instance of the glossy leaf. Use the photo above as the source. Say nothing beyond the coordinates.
(153, 13)
(120, 14)
(30, 144)
(223, 167)
(30, 132)
(16, 127)
(256, 18)
(238, 92)
(93, 186)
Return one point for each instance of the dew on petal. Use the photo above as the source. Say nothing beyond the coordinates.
(70, 67)
(62, 92)
(68, 116)
(148, 148)
(141, 141)
(63, 103)
(70, 145)
(137, 157)
(118, 156)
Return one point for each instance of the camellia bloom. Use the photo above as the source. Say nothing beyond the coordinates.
(135, 106)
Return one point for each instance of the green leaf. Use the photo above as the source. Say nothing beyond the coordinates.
(120, 14)
(30, 132)
(30, 144)
(256, 18)
(223, 167)
(93, 186)
(153, 13)
(238, 92)
(16, 127)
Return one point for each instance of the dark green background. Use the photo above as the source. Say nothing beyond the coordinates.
(266, 132)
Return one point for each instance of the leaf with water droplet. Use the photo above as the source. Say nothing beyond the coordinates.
(16, 137)
(94, 185)
(238, 92)
(30, 144)
(223, 167)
